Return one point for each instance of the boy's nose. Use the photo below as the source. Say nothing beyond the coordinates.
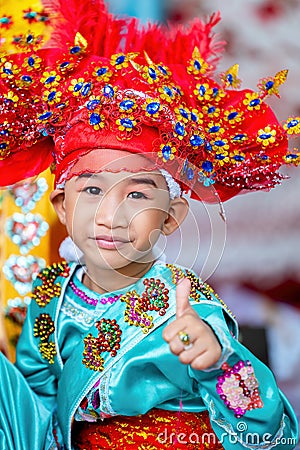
(111, 212)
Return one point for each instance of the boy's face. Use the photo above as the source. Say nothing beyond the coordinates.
(116, 218)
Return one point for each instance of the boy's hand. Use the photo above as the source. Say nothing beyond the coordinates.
(188, 336)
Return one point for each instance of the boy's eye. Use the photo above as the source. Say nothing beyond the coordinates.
(93, 190)
(137, 195)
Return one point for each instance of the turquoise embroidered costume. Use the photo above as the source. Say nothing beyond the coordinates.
(89, 360)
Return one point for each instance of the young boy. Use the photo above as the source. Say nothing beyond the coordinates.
(126, 351)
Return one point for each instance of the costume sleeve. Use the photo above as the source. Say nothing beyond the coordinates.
(246, 408)
(38, 370)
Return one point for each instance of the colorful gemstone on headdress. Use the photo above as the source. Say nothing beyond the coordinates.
(266, 136)
(292, 125)
(127, 105)
(292, 157)
(6, 22)
(97, 120)
(270, 85)
(109, 91)
(126, 123)
(252, 101)
(179, 130)
(196, 140)
(237, 157)
(152, 107)
(222, 157)
(167, 152)
(197, 65)
(102, 73)
(230, 77)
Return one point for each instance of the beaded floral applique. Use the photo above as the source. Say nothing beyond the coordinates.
(135, 313)
(238, 388)
(177, 274)
(198, 287)
(43, 328)
(108, 340)
(44, 293)
(155, 297)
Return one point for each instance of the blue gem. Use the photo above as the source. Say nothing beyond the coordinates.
(208, 146)
(3, 145)
(108, 91)
(120, 59)
(291, 156)
(184, 113)
(92, 104)
(166, 151)
(4, 132)
(197, 64)
(215, 91)
(194, 117)
(51, 96)
(163, 70)
(26, 78)
(152, 73)
(50, 79)
(293, 123)
(64, 65)
(60, 105)
(264, 157)
(31, 61)
(168, 91)
(202, 90)
(190, 173)
(101, 71)
(126, 105)
(220, 156)
(45, 116)
(86, 89)
(232, 115)
(7, 71)
(269, 85)
(153, 108)
(238, 158)
(78, 86)
(127, 123)
(179, 128)
(239, 137)
(265, 136)
(29, 39)
(207, 166)
(211, 110)
(196, 140)
(95, 119)
(255, 102)
(75, 50)
(214, 129)
(219, 143)
(230, 78)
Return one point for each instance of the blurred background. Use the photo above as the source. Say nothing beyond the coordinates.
(253, 259)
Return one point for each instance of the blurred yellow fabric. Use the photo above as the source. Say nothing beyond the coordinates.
(29, 230)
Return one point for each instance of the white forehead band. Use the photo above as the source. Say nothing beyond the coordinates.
(173, 186)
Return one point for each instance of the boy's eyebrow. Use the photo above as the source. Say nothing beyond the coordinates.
(144, 180)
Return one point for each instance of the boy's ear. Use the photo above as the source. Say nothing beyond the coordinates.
(57, 198)
(177, 213)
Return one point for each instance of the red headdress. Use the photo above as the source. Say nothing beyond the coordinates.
(105, 82)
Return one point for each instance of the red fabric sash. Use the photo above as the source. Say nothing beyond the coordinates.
(158, 429)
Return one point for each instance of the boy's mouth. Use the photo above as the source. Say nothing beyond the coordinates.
(110, 242)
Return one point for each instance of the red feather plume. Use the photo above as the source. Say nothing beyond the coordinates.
(108, 34)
